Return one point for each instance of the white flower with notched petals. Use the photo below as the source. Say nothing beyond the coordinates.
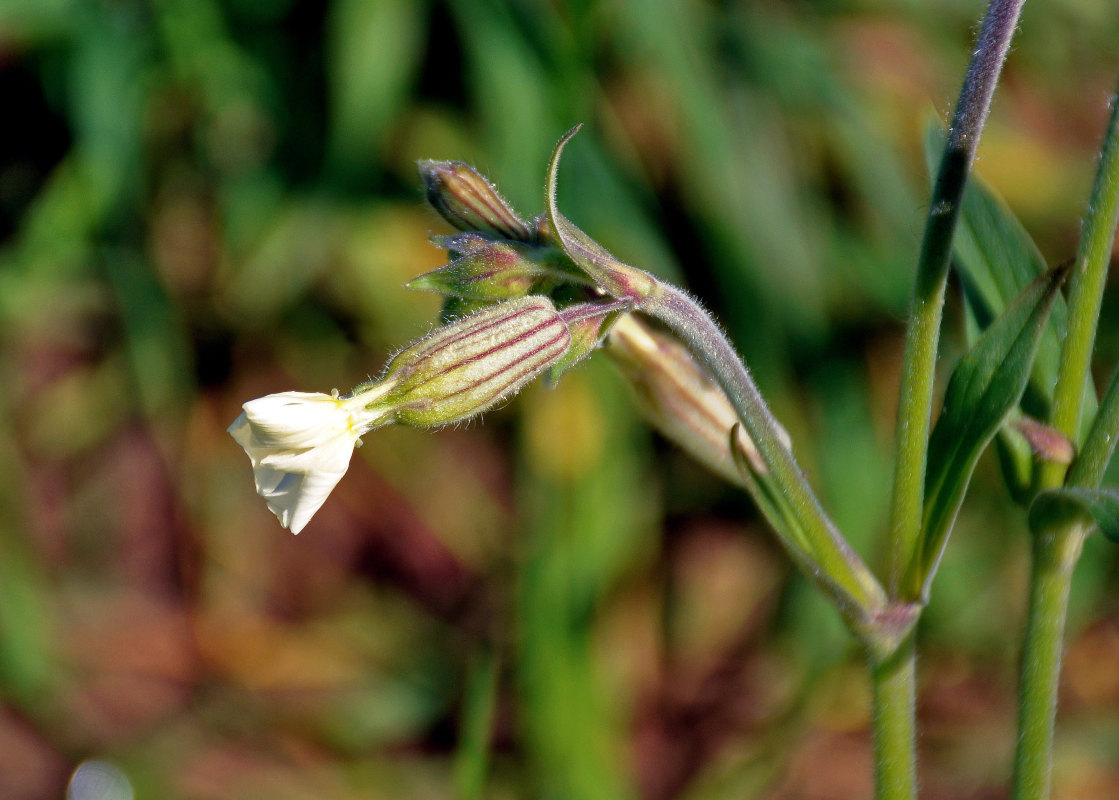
(300, 445)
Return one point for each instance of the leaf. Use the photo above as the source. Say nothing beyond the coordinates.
(1091, 463)
(1065, 505)
(618, 279)
(984, 389)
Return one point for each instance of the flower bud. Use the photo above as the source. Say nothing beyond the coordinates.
(471, 365)
(495, 270)
(464, 198)
(1047, 443)
(677, 396)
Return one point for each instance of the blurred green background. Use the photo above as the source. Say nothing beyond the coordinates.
(202, 202)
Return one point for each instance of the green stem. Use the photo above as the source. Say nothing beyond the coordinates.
(1055, 553)
(839, 570)
(895, 757)
(1085, 296)
(1091, 462)
(923, 332)
(1056, 550)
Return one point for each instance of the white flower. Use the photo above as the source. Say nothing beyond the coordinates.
(300, 445)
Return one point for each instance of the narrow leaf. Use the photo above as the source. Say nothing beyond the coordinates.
(618, 279)
(770, 499)
(1058, 506)
(984, 389)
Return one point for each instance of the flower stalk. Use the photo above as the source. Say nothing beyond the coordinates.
(1057, 547)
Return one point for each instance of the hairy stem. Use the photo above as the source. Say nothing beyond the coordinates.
(894, 679)
(1056, 550)
(1086, 286)
(1055, 553)
(861, 596)
(923, 332)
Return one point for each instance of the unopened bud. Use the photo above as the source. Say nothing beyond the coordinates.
(464, 198)
(677, 396)
(1047, 443)
(495, 270)
(471, 365)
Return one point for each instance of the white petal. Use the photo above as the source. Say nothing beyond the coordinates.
(296, 419)
(330, 456)
(298, 495)
(300, 446)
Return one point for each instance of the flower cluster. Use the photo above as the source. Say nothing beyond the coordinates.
(523, 299)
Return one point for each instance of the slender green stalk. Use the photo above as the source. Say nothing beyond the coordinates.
(861, 597)
(1099, 445)
(923, 332)
(1055, 554)
(1085, 296)
(894, 679)
(1056, 550)
(894, 676)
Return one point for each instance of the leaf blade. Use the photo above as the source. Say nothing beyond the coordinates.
(984, 389)
(1064, 505)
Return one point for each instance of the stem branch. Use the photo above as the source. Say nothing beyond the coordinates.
(1086, 286)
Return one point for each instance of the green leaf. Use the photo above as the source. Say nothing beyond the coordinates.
(775, 506)
(1060, 506)
(1091, 463)
(984, 389)
(618, 279)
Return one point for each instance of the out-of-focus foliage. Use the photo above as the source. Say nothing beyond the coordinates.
(203, 202)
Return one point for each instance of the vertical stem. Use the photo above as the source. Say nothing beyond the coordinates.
(894, 677)
(923, 333)
(1055, 553)
(895, 758)
(1085, 296)
(476, 726)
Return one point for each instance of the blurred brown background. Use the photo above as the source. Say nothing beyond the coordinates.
(202, 202)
